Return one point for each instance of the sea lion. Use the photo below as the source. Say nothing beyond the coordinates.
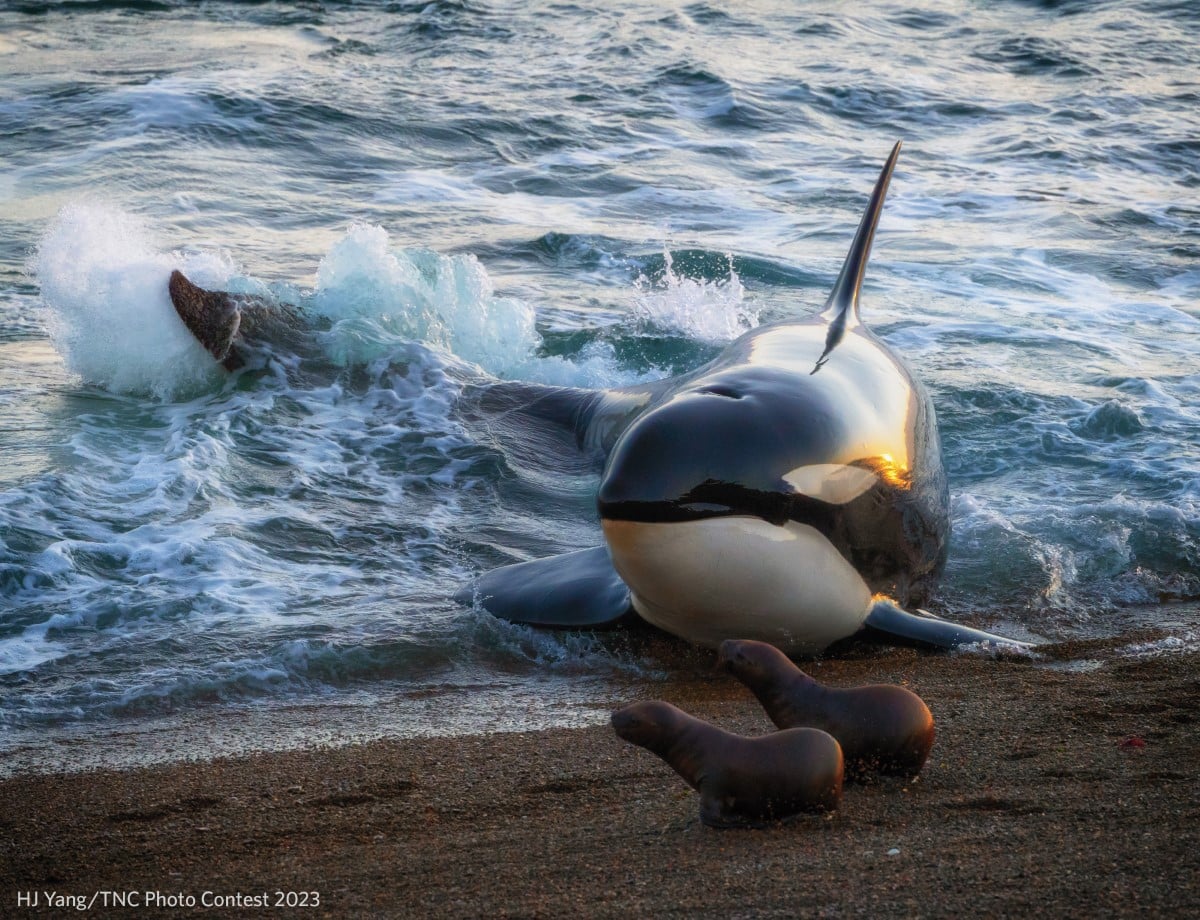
(882, 728)
(743, 782)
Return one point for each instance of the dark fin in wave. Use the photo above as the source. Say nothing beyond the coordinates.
(841, 309)
(899, 627)
(574, 591)
(213, 317)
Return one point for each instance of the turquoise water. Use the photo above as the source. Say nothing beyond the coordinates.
(563, 193)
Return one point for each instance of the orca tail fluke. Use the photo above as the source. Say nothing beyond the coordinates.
(843, 300)
(213, 317)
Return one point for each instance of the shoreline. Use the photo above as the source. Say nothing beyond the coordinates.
(562, 697)
(1049, 789)
(257, 727)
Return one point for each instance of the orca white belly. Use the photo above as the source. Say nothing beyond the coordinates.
(740, 578)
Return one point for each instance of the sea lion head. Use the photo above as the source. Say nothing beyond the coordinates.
(753, 663)
(646, 723)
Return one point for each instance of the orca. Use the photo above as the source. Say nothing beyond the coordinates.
(789, 491)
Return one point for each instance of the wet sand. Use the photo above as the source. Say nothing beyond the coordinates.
(1050, 791)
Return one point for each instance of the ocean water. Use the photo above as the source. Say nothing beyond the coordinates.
(575, 193)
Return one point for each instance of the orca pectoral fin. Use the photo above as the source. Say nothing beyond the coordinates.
(897, 625)
(578, 590)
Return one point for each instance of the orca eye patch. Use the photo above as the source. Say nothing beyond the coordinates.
(835, 483)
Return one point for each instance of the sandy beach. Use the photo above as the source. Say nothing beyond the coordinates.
(1051, 790)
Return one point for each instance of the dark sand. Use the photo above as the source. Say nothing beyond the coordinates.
(1049, 792)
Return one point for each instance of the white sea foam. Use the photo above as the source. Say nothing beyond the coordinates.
(595, 366)
(103, 279)
(712, 311)
(415, 185)
(378, 296)
(25, 652)
(552, 650)
(104, 282)
(109, 315)
(1005, 648)
(1169, 645)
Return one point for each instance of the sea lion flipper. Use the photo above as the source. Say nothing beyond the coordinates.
(213, 317)
(899, 626)
(579, 590)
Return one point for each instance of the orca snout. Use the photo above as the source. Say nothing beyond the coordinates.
(656, 463)
(702, 454)
(723, 445)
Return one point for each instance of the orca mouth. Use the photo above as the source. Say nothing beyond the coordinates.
(663, 512)
(709, 500)
(714, 499)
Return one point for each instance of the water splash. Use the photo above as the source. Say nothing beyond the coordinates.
(379, 297)
(104, 283)
(711, 311)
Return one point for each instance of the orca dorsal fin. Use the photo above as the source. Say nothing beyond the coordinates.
(213, 317)
(843, 299)
(841, 309)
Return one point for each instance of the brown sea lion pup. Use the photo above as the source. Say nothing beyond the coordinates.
(743, 782)
(882, 728)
